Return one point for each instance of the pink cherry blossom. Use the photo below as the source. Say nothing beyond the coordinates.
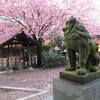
(46, 18)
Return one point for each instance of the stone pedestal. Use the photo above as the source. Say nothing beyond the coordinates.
(68, 90)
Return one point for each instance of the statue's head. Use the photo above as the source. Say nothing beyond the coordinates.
(72, 20)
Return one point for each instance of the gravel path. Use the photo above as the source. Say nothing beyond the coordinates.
(28, 83)
(7, 94)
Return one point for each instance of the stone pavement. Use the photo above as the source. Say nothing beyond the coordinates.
(28, 84)
(49, 98)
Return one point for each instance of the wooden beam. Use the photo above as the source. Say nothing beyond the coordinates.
(18, 47)
(18, 43)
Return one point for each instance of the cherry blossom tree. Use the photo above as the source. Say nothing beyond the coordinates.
(41, 16)
(45, 17)
(38, 19)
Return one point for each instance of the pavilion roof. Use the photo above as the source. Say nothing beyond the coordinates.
(18, 38)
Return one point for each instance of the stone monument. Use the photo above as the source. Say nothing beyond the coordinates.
(79, 82)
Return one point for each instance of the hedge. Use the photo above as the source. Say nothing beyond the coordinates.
(50, 60)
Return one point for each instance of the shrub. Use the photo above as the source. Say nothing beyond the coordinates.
(50, 60)
(45, 48)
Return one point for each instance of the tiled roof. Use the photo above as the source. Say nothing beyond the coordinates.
(6, 39)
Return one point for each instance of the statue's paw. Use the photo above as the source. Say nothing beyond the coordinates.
(92, 69)
(69, 69)
(81, 72)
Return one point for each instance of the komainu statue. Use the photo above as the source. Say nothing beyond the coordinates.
(80, 47)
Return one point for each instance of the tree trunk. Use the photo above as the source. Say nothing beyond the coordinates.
(39, 49)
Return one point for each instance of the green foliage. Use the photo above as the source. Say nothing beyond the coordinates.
(52, 60)
(57, 41)
(45, 48)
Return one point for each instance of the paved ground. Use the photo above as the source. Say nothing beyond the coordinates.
(28, 84)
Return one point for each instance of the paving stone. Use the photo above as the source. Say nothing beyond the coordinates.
(29, 79)
(49, 98)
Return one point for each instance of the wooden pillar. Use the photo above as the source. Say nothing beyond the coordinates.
(2, 62)
(23, 56)
(29, 56)
(31, 60)
(11, 56)
(8, 56)
(27, 59)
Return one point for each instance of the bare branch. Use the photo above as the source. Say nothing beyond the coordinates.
(17, 20)
(8, 19)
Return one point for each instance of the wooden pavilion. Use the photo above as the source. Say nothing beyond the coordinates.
(23, 42)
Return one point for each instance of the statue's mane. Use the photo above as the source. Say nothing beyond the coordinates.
(75, 27)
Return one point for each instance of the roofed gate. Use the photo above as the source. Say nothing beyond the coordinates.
(24, 43)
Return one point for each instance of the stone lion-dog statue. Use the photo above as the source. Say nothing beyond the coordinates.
(78, 41)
